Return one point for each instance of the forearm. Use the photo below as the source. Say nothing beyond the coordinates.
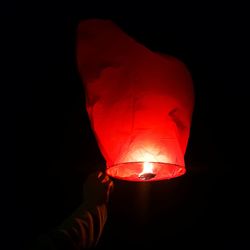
(81, 230)
(84, 227)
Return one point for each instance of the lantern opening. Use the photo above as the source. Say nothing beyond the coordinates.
(145, 171)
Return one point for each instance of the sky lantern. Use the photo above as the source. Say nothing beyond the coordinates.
(139, 103)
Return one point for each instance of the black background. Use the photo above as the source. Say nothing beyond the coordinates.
(54, 147)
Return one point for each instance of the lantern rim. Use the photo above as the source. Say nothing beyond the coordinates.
(130, 171)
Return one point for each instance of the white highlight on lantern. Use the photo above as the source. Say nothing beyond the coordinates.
(146, 154)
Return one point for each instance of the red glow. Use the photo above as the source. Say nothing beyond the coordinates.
(139, 103)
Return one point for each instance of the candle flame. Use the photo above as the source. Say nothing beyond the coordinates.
(147, 167)
(147, 172)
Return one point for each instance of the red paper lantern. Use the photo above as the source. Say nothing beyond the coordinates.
(139, 103)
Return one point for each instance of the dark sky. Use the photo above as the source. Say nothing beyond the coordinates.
(55, 149)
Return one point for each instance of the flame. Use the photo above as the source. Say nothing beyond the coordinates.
(147, 168)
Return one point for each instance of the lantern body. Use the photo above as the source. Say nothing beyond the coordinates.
(139, 103)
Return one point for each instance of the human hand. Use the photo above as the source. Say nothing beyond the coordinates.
(97, 189)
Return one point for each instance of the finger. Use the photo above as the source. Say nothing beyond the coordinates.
(103, 176)
(105, 180)
(111, 186)
(100, 174)
(110, 183)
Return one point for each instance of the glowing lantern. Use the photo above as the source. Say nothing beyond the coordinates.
(139, 103)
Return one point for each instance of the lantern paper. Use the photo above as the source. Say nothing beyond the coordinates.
(139, 103)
